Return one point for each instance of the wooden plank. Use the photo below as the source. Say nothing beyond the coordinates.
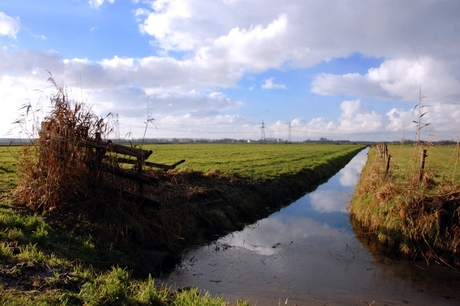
(150, 164)
(165, 167)
(112, 147)
(123, 160)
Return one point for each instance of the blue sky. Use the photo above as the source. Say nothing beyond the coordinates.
(217, 69)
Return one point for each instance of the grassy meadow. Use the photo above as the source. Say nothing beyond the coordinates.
(261, 161)
(96, 255)
(8, 167)
(400, 213)
(442, 166)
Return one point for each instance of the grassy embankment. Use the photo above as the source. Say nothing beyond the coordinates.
(397, 214)
(74, 256)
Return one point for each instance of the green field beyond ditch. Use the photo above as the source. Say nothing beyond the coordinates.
(262, 161)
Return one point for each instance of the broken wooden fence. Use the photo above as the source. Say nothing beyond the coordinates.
(138, 174)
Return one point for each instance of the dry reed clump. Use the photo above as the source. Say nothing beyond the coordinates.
(60, 174)
(55, 169)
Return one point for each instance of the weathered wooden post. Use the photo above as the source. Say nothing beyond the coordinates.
(388, 163)
(422, 165)
(99, 152)
(140, 162)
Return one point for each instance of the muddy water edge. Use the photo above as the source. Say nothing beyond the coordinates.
(308, 254)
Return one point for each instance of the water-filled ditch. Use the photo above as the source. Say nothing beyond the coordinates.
(307, 254)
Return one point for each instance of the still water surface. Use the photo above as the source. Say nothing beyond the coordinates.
(307, 254)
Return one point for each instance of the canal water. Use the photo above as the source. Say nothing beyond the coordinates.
(308, 254)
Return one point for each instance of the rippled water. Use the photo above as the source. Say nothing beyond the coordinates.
(307, 254)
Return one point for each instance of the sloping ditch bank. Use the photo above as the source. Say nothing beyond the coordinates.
(397, 220)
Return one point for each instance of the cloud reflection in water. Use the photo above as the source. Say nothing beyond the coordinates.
(316, 218)
(272, 235)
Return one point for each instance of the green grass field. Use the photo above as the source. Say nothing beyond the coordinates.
(8, 163)
(441, 164)
(262, 161)
(258, 160)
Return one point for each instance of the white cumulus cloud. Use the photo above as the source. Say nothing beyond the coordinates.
(9, 26)
(397, 79)
(358, 117)
(268, 84)
(98, 3)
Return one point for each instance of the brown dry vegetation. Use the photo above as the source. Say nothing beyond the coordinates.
(396, 214)
(54, 172)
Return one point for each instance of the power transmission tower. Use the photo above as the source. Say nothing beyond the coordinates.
(116, 125)
(117, 128)
(262, 132)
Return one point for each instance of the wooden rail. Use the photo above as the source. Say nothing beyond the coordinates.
(109, 146)
(156, 165)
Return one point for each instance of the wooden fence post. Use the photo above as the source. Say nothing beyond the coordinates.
(140, 162)
(422, 164)
(388, 163)
(99, 152)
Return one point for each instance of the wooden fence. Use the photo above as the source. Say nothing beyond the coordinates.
(139, 162)
(383, 150)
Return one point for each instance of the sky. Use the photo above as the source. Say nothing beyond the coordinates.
(292, 70)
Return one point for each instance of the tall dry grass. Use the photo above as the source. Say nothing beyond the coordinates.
(406, 216)
(54, 170)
